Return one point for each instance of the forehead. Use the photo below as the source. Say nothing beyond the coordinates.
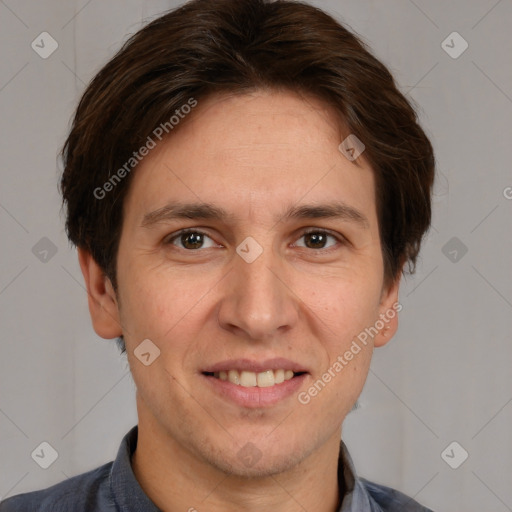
(245, 126)
(253, 151)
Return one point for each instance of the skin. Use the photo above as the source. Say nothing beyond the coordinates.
(254, 155)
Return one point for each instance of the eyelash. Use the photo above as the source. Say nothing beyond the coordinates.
(339, 238)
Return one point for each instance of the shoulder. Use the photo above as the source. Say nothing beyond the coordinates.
(391, 500)
(88, 492)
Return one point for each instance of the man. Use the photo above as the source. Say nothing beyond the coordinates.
(245, 185)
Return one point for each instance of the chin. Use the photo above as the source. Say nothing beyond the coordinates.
(250, 462)
(263, 469)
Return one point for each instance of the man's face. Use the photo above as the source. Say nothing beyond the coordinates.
(211, 302)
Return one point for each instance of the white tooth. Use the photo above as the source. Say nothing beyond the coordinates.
(265, 379)
(248, 379)
(251, 379)
(278, 376)
(233, 377)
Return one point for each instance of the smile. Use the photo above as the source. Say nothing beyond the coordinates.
(248, 379)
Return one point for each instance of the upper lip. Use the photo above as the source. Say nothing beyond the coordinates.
(276, 363)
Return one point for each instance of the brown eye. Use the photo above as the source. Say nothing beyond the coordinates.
(317, 239)
(189, 240)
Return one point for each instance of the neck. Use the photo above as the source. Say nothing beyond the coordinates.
(177, 480)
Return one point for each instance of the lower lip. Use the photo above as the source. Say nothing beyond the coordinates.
(255, 397)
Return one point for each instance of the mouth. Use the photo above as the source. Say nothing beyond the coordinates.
(248, 379)
(254, 384)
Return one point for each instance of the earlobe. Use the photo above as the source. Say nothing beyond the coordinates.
(388, 314)
(103, 304)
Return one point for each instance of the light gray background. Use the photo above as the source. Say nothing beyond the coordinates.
(446, 376)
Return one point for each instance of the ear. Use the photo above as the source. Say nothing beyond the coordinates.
(103, 305)
(388, 312)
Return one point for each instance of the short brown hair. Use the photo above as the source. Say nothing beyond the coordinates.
(216, 46)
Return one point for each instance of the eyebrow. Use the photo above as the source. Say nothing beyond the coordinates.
(208, 211)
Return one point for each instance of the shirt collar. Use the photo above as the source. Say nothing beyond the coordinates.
(356, 497)
(126, 490)
(129, 496)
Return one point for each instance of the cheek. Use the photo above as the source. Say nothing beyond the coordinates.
(144, 306)
(345, 304)
(163, 305)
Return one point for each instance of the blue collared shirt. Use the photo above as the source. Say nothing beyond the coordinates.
(113, 488)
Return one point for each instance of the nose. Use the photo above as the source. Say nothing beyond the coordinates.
(257, 302)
